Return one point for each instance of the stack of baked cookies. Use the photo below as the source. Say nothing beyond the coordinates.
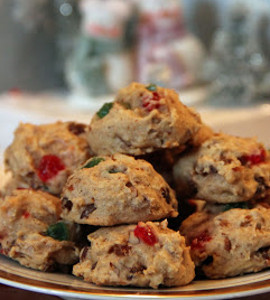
(230, 232)
(114, 177)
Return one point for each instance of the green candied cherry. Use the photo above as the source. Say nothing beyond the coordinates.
(242, 205)
(93, 162)
(105, 109)
(152, 87)
(58, 231)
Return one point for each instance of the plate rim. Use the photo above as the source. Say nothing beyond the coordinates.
(57, 289)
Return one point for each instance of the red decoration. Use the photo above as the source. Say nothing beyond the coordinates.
(49, 167)
(145, 234)
(151, 102)
(26, 214)
(253, 159)
(200, 241)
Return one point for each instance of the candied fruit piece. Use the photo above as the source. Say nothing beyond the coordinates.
(49, 167)
(199, 241)
(145, 234)
(105, 109)
(150, 102)
(26, 215)
(93, 162)
(58, 231)
(152, 87)
(253, 159)
(242, 205)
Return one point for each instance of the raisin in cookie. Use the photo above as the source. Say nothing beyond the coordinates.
(117, 189)
(30, 231)
(146, 255)
(43, 156)
(142, 119)
(227, 241)
(225, 169)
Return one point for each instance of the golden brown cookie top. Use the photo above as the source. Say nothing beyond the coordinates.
(117, 189)
(142, 119)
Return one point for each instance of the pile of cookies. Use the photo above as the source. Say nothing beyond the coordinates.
(230, 232)
(123, 182)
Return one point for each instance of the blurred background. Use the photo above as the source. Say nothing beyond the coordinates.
(91, 48)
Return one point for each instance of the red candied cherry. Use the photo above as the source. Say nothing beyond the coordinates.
(198, 243)
(145, 234)
(49, 167)
(26, 215)
(150, 102)
(253, 159)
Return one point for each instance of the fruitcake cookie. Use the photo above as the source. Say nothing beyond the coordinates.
(30, 231)
(142, 119)
(227, 241)
(146, 255)
(117, 189)
(43, 156)
(224, 169)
